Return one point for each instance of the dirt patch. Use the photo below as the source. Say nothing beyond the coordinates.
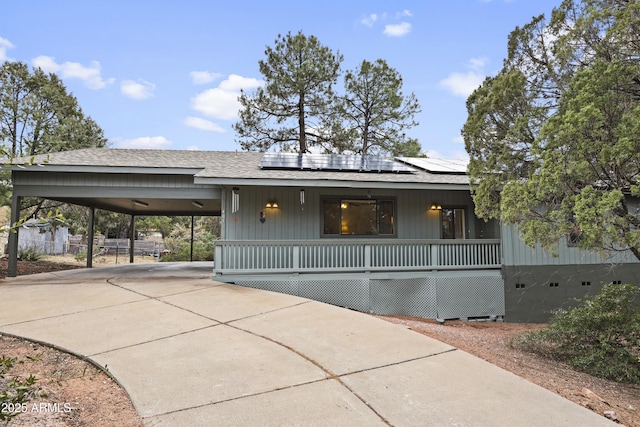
(70, 391)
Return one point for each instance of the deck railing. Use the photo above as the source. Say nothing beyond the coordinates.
(332, 255)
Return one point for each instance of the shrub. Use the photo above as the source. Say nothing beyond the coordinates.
(14, 393)
(29, 254)
(180, 251)
(600, 337)
(178, 245)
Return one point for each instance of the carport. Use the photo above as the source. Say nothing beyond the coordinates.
(132, 182)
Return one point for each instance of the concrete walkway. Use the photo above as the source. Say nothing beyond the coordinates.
(191, 351)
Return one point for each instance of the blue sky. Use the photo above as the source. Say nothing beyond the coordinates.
(157, 74)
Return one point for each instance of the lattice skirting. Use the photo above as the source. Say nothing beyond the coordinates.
(437, 295)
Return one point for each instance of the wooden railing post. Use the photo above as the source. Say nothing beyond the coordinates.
(296, 257)
(367, 256)
(435, 258)
(217, 258)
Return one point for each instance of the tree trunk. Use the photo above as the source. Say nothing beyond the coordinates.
(302, 137)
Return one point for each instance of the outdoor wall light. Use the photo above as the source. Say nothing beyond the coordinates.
(263, 217)
(436, 206)
(141, 204)
(271, 204)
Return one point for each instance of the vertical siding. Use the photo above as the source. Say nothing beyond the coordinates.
(414, 219)
(288, 221)
(70, 179)
(516, 252)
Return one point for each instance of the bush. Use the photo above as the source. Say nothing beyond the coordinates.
(178, 246)
(179, 250)
(29, 254)
(600, 337)
(15, 392)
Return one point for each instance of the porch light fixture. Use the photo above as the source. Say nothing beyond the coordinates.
(436, 206)
(141, 204)
(197, 204)
(271, 204)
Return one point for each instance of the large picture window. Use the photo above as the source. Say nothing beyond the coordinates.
(358, 217)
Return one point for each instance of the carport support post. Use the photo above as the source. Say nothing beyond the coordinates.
(12, 268)
(191, 251)
(92, 212)
(133, 237)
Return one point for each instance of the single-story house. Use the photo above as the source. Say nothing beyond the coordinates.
(382, 235)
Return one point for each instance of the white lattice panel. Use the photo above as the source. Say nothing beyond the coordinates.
(443, 296)
(409, 297)
(351, 293)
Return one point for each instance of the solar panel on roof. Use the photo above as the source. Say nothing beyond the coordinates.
(436, 165)
(332, 162)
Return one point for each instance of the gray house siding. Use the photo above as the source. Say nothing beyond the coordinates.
(99, 180)
(516, 252)
(295, 221)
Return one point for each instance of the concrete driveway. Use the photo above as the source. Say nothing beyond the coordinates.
(191, 351)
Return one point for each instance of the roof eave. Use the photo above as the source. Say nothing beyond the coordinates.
(102, 169)
(329, 183)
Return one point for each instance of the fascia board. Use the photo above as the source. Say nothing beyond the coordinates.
(102, 169)
(330, 184)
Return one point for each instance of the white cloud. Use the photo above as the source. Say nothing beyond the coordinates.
(458, 139)
(463, 84)
(203, 124)
(397, 30)
(222, 102)
(404, 13)
(478, 63)
(235, 83)
(91, 75)
(4, 46)
(140, 89)
(203, 77)
(369, 20)
(194, 148)
(147, 142)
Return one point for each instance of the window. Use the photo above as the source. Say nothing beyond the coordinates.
(358, 217)
(453, 223)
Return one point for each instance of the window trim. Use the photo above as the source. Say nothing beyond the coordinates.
(377, 199)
